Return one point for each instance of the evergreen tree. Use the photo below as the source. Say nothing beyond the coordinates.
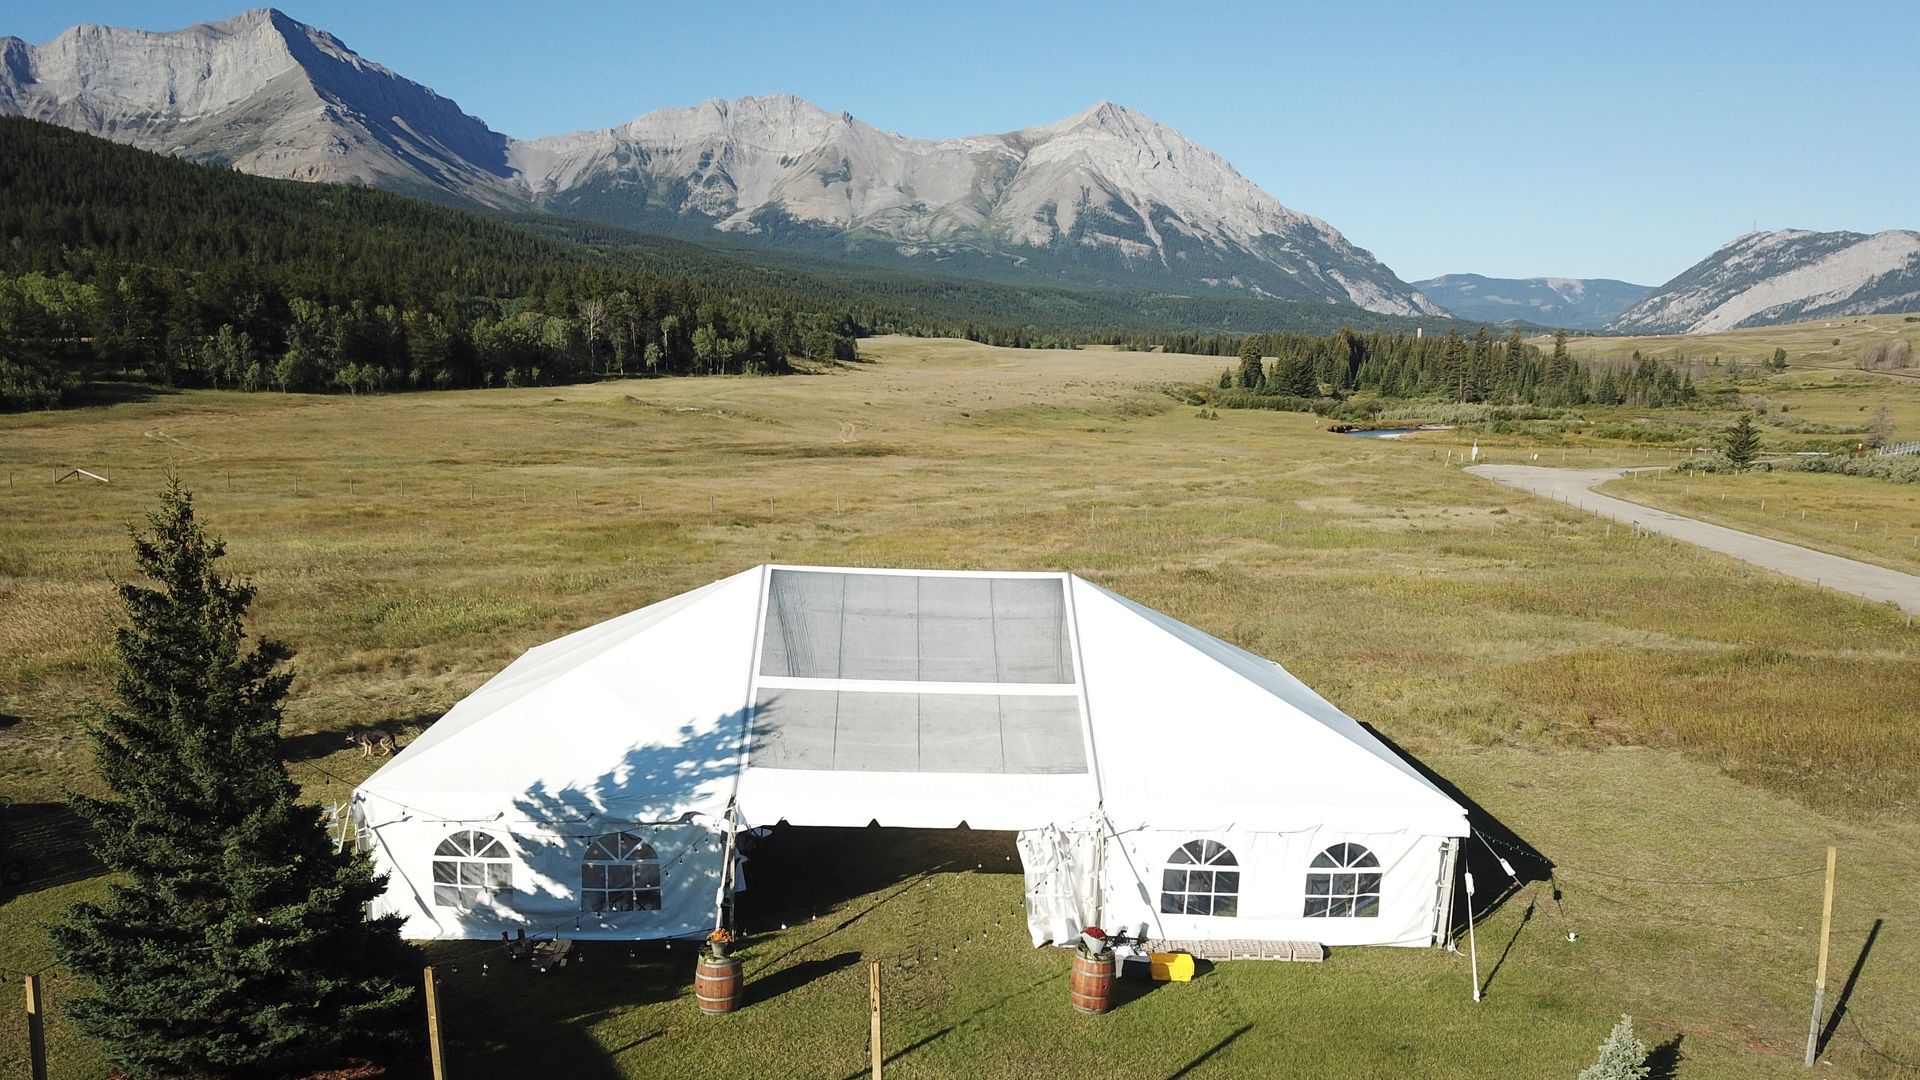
(1251, 375)
(1743, 442)
(1622, 1057)
(235, 941)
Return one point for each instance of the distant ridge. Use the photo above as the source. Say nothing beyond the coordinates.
(1107, 197)
(1574, 303)
(1768, 278)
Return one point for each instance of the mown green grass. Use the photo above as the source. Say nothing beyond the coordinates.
(1621, 703)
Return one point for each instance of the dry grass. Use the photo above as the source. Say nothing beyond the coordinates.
(1620, 702)
(1862, 518)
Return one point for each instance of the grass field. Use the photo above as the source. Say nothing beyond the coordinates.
(1870, 520)
(1629, 706)
(1824, 344)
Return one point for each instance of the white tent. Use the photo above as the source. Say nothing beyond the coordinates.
(1157, 776)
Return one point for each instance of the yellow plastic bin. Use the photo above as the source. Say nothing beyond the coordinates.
(1172, 966)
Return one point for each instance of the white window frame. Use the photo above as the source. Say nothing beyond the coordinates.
(1343, 882)
(625, 856)
(470, 867)
(1196, 880)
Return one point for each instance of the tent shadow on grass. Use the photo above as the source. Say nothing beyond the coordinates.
(314, 745)
(1477, 853)
(52, 843)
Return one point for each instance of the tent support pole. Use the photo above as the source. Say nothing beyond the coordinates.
(1473, 948)
(724, 895)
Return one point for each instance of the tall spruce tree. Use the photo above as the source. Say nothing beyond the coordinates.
(1251, 375)
(236, 943)
(1743, 442)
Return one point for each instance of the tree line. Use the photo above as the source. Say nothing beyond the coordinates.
(1450, 367)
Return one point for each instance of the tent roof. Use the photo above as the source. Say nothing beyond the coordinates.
(836, 696)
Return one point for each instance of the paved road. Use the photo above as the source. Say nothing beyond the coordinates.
(1574, 487)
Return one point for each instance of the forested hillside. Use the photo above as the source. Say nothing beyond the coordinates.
(121, 264)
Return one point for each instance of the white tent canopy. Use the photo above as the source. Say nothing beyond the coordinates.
(1109, 735)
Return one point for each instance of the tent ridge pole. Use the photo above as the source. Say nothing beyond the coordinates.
(1093, 749)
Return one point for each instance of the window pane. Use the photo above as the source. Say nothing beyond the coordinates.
(1319, 884)
(647, 875)
(490, 847)
(1316, 907)
(1173, 881)
(622, 901)
(1367, 907)
(1182, 856)
(446, 896)
(649, 900)
(620, 876)
(1340, 907)
(499, 875)
(1172, 903)
(1199, 904)
(1370, 883)
(1343, 884)
(593, 876)
(1226, 906)
(1226, 881)
(1224, 858)
(1363, 857)
(445, 872)
(643, 851)
(598, 851)
(451, 846)
(1325, 858)
(1209, 851)
(1200, 881)
(472, 873)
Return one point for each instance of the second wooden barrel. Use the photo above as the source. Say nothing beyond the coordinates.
(1090, 984)
(716, 984)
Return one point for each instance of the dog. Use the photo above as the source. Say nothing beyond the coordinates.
(369, 741)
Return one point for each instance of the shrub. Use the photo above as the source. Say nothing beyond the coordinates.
(1622, 1057)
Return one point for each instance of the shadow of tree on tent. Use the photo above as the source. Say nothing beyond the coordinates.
(521, 1020)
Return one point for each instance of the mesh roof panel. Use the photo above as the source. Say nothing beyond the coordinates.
(916, 628)
(853, 731)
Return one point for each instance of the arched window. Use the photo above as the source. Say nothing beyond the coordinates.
(1344, 883)
(468, 867)
(1202, 878)
(621, 873)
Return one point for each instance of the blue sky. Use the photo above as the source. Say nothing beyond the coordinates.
(1580, 140)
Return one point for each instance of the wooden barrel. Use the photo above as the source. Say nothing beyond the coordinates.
(1090, 983)
(716, 984)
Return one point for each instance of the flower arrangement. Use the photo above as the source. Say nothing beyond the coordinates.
(719, 943)
(1094, 944)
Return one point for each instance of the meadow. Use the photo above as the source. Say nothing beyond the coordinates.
(1681, 734)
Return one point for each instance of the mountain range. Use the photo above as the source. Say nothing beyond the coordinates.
(1106, 198)
(1575, 303)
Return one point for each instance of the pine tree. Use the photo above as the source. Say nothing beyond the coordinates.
(1251, 375)
(1743, 442)
(1622, 1057)
(235, 942)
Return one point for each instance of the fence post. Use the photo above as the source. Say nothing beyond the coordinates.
(37, 1030)
(1820, 973)
(873, 995)
(433, 1028)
